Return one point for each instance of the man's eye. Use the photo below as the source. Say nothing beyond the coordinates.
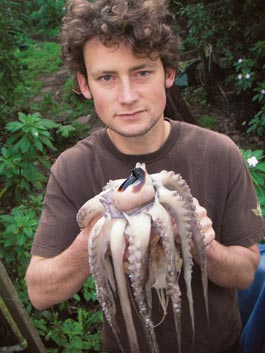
(105, 78)
(143, 73)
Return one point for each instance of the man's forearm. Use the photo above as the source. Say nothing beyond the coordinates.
(232, 266)
(53, 280)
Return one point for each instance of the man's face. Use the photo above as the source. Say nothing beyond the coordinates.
(128, 91)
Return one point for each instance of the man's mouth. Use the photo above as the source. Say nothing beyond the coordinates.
(130, 114)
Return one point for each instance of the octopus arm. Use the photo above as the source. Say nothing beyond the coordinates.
(175, 182)
(177, 208)
(198, 240)
(117, 246)
(102, 272)
(91, 209)
(163, 226)
(138, 232)
(103, 253)
(113, 184)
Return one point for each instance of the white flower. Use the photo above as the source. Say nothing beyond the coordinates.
(240, 61)
(262, 91)
(252, 161)
(247, 76)
(239, 77)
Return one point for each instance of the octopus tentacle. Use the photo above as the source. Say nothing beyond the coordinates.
(103, 291)
(102, 275)
(175, 182)
(164, 228)
(91, 209)
(176, 206)
(104, 263)
(117, 246)
(198, 239)
(113, 184)
(138, 232)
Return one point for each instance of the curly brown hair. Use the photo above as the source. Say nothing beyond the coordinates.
(146, 25)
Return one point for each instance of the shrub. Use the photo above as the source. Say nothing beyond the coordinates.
(10, 65)
(25, 152)
(255, 161)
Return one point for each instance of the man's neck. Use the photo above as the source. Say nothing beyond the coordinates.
(148, 143)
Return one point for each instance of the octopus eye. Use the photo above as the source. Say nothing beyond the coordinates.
(138, 175)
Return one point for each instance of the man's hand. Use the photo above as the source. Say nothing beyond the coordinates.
(205, 222)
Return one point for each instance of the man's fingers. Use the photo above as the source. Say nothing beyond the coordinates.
(205, 222)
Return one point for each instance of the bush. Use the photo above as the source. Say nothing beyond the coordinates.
(255, 161)
(46, 15)
(74, 325)
(24, 153)
(10, 65)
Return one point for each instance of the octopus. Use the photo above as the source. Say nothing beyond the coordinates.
(143, 234)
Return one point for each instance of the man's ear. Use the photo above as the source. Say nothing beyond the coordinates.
(170, 76)
(82, 81)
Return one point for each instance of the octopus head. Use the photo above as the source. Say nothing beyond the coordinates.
(136, 191)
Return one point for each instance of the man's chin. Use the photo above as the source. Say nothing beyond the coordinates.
(131, 130)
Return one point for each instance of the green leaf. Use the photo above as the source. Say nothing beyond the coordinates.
(257, 178)
(37, 143)
(48, 143)
(49, 124)
(24, 144)
(13, 126)
(261, 167)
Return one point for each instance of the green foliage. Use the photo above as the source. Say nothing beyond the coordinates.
(246, 74)
(10, 65)
(25, 152)
(16, 234)
(33, 60)
(207, 121)
(230, 27)
(255, 161)
(66, 130)
(79, 334)
(15, 241)
(196, 96)
(198, 22)
(36, 73)
(250, 79)
(23, 162)
(88, 291)
(257, 124)
(45, 14)
(233, 30)
(30, 134)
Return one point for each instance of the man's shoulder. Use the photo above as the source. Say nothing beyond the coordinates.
(199, 131)
(200, 136)
(83, 151)
(89, 144)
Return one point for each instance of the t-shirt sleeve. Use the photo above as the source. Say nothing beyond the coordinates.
(242, 222)
(57, 227)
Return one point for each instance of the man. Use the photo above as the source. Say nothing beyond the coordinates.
(125, 55)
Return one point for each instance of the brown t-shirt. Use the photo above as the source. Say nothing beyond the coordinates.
(216, 173)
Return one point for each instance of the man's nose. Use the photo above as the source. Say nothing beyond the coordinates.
(127, 92)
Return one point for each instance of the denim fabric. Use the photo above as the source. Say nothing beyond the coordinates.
(252, 310)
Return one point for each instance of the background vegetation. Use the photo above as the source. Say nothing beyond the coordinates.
(37, 124)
